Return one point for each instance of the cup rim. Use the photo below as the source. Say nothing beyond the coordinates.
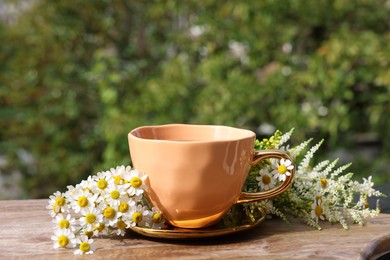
(246, 133)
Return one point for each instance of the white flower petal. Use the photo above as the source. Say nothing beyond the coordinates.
(287, 163)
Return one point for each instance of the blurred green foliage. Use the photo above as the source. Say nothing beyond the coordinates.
(76, 76)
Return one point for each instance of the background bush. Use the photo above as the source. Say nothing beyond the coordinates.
(76, 76)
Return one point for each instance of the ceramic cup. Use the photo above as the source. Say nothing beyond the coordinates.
(196, 172)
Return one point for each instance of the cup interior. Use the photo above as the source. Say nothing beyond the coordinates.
(191, 133)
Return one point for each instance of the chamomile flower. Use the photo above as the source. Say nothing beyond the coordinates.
(101, 183)
(70, 191)
(137, 198)
(90, 233)
(118, 173)
(114, 194)
(136, 180)
(88, 183)
(82, 199)
(138, 216)
(125, 205)
(323, 183)
(110, 215)
(266, 182)
(120, 226)
(57, 204)
(156, 219)
(91, 217)
(63, 238)
(65, 223)
(85, 246)
(317, 211)
(282, 169)
(101, 228)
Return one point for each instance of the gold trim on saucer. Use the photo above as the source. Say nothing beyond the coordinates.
(185, 233)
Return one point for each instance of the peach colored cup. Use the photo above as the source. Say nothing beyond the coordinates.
(196, 172)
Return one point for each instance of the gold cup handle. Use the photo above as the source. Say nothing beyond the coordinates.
(256, 196)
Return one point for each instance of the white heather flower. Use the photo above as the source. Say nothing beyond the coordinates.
(91, 217)
(268, 205)
(65, 223)
(136, 180)
(308, 156)
(266, 182)
(317, 209)
(114, 194)
(366, 186)
(284, 138)
(63, 238)
(295, 151)
(57, 204)
(82, 199)
(282, 169)
(85, 246)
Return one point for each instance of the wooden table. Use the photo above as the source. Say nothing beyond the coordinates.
(26, 229)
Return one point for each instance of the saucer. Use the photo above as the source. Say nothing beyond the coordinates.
(171, 232)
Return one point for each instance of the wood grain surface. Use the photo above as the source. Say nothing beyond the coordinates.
(26, 228)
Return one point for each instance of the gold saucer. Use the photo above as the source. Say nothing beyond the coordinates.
(171, 232)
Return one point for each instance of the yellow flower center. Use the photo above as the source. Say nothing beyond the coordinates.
(63, 241)
(99, 227)
(102, 184)
(90, 218)
(323, 182)
(136, 182)
(109, 212)
(123, 207)
(82, 201)
(56, 209)
(63, 223)
(121, 225)
(157, 217)
(115, 194)
(266, 179)
(137, 217)
(366, 205)
(282, 169)
(88, 233)
(318, 211)
(85, 246)
(118, 180)
(60, 201)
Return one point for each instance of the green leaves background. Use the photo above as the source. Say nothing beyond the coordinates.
(77, 76)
